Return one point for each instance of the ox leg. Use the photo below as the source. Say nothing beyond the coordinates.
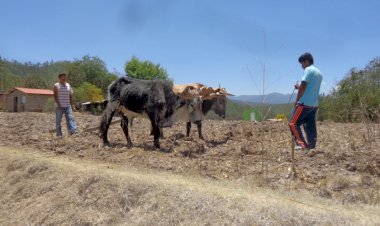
(106, 121)
(151, 131)
(188, 128)
(199, 126)
(124, 125)
(156, 130)
(161, 132)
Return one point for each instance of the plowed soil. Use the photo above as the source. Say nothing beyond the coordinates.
(344, 166)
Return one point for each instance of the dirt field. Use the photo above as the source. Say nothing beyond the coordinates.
(344, 169)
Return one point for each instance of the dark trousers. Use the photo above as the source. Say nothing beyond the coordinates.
(306, 116)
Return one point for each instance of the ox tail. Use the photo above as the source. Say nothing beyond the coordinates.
(109, 91)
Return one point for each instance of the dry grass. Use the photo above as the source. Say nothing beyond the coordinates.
(352, 189)
(45, 189)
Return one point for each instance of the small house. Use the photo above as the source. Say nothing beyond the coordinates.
(25, 99)
(3, 98)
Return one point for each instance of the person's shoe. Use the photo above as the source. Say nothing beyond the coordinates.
(300, 148)
(75, 133)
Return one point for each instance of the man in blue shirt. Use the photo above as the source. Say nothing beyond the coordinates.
(306, 106)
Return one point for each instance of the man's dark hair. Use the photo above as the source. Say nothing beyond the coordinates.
(62, 74)
(306, 56)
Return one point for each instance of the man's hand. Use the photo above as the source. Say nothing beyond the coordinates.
(296, 86)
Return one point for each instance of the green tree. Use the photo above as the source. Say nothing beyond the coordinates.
(2, 76)
(7, 79)
(92, 70)
(145, 70)
(35, 81)
(14, 73)
(87, 69)
(87, 92)
(356, 98)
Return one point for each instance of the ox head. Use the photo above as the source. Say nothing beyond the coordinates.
(220, 105)
(216, 104)
(214, 99)
(189, 109)
(194, 106)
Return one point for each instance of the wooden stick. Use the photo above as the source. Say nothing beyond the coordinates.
(293, 160)
(96, 128)
(90, 129)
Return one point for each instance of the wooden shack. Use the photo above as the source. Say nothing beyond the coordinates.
(25, 99)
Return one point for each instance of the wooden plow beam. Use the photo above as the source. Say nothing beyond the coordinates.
(90, 129)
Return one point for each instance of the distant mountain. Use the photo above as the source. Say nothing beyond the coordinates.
(271, 98)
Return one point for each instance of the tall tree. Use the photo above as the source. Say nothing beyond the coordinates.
(7, 79)
(136, 68)
(92, 70)
(35, 81)
(356, 98)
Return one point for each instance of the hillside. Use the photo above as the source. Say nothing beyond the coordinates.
(14, 73)
(44, 75)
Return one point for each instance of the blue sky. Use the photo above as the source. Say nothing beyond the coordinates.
(240, 45)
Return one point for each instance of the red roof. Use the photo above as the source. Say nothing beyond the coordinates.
(34, 91)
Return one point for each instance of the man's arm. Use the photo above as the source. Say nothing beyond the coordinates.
(56, 96)
(71, 101)
(301, 90)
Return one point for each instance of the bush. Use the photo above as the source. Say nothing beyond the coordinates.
(50, 105)
(356, 98)
(88, 92)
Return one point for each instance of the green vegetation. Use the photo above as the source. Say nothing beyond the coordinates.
(136, 68)
(251, 115)
(14, 73)
(92, 70)
(235, 110)
(88, 92)
(49, 106)
(89, 76)
(356, 98)
(35, 81)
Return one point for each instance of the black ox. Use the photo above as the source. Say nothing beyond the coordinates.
(195, 113)
(153, 99)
